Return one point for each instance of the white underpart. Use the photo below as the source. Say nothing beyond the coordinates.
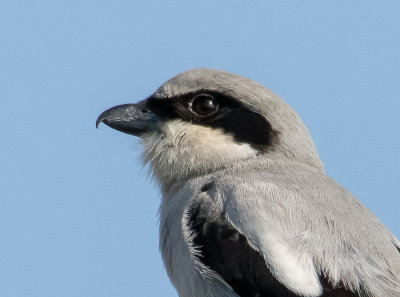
(179, 150)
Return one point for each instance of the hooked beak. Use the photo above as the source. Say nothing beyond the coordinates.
(133, 119)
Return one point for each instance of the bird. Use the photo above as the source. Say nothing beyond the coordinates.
(247, 208)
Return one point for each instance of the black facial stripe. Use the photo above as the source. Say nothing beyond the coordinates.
(247, 127)
(165, 108)
(244, 125)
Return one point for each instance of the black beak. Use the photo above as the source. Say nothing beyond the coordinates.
(134, 119)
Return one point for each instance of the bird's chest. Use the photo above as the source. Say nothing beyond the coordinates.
(180, 256)
(174, 247)
(173, 235)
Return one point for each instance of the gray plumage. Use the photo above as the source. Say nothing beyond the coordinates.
(315, 238)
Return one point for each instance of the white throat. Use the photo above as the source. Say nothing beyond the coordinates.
(179, 150)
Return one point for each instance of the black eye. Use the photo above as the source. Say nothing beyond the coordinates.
(203, 105)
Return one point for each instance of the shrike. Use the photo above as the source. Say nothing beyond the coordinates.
(247, 209)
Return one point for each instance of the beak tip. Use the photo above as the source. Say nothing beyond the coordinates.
(101, 119)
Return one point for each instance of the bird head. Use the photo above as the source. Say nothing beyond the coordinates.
(202, 120)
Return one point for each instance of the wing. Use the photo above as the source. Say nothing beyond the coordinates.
(226, 251)
(268, 235)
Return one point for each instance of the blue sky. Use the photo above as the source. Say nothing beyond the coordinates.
(78, 217)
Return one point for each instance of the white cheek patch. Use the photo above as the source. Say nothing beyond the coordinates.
(181, 148)
(203, 141)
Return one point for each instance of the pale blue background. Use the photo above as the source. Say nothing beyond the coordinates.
(77, 215)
